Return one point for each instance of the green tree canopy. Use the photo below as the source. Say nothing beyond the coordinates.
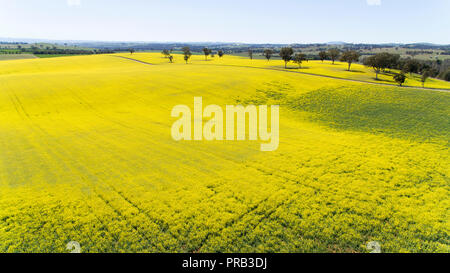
(286, 55)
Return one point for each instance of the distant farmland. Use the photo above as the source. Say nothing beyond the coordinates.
(4, 57)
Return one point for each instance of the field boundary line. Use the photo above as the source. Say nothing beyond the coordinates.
(131, 59)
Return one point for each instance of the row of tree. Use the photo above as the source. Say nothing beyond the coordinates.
(54, 51)
(380, 62)
(287, 55)
(71, 51)
(187, 53)
(383, 62)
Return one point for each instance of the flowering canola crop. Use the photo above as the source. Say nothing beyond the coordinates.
(86, 155)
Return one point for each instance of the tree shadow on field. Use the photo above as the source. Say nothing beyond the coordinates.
(388, 73)
(383, 80)
(298, 68)
(355, 71)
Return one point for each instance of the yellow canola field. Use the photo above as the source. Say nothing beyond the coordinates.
(86, 155)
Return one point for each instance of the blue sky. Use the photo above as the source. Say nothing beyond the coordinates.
(256, 21)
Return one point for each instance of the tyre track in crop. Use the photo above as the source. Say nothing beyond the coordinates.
(164, 225)
(269, 173)
(266, 213)
(288, 177)
(157, 221)
(20, 109)
(231, 223)
(161, 222)
(265, 170)
(22, 112)
(34, 127)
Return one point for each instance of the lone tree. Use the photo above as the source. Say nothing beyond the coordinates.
(187, 53)
(400, 78)
(286, 55)
(350, 57)
(132, 50)
(425, 76)
(186, 58)
(334, 54)
(299, 58)
(323, 55)
(250, 54)
(268, 54)
(166, 53)
(206, 51)
(220, 53)
(378, 62)
(186, 49)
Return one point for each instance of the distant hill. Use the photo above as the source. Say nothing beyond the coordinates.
(336, 43)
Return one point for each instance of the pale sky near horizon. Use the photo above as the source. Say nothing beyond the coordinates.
(251, 21)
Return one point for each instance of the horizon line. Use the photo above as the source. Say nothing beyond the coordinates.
(22, 39)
